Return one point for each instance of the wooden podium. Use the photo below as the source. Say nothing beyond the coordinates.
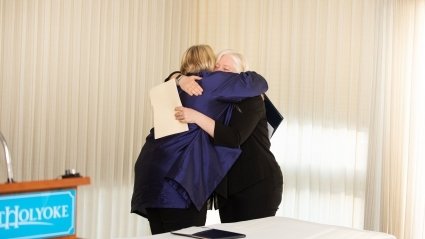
(20, 210)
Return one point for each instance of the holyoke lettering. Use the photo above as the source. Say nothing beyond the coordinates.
(15, 216)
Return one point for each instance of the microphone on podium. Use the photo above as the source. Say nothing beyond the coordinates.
(8, 159)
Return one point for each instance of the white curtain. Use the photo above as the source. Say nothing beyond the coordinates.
(347, 75)
(74, 77)
(396, 192)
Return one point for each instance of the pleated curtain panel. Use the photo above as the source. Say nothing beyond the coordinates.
(348, 76)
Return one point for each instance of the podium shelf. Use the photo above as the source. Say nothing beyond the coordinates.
(43, 185)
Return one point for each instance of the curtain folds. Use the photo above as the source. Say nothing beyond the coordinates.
(395, 196)
(74, 78)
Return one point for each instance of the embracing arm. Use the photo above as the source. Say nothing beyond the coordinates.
(243, 122)
(238, 86)
(188, 115)
(187, 83)
(231, 87)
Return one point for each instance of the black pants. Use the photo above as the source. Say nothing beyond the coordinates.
(170, 219)
(257, 201)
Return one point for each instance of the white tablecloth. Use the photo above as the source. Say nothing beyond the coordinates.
(286, 228)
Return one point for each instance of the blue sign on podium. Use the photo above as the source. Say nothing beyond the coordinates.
(38, 215)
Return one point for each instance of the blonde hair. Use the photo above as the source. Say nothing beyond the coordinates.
(198, 58)
(239, 61)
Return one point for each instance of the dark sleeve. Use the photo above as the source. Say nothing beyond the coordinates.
(169, 76)
(240, 86)
(245, 118)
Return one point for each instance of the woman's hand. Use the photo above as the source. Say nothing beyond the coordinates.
(189, 85)
(188, 115)
(185, 115)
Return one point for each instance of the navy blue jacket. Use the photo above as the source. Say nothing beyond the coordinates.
(183, 169)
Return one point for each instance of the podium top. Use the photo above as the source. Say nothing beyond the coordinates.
(43, 185)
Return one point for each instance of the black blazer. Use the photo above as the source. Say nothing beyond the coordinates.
(247, 129)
